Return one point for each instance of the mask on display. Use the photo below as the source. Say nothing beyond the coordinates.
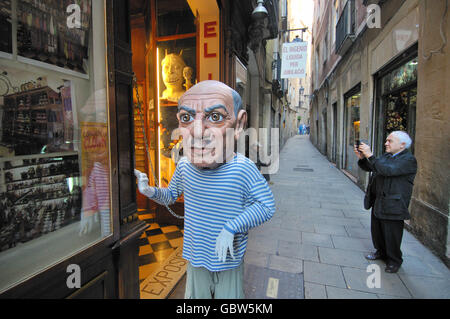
(174, 73)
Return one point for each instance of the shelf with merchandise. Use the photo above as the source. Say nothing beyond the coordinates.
(41, 193)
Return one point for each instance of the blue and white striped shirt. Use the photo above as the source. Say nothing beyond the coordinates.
(235, 196)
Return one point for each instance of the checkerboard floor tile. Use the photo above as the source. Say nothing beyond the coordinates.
(156, 243)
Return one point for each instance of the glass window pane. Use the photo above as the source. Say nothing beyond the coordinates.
(174, 17)
(54, 156)
(177, 72)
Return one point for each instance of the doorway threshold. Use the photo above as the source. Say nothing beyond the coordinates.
(161, 283)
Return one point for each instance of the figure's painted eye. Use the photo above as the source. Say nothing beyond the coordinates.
(186, 118)
(215, 117)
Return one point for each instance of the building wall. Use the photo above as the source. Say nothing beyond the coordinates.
(430, 202)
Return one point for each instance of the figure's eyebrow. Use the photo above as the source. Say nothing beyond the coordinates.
(187, 109)
(215, 107)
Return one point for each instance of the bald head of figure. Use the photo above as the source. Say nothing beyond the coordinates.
(205, 113)
(213, 89)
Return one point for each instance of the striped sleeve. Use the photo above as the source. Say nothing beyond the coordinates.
(168, 196)
(260, 210)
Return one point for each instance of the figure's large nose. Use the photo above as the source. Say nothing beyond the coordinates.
(198, 128)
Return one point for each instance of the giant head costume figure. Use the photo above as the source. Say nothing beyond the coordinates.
(210, 118)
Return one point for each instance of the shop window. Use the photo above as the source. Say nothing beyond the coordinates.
(54, 155)
(397, 102)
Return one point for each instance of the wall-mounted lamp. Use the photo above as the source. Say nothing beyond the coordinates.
(260, 12)
(258, 30)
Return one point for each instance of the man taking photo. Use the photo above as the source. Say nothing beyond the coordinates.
(388, 194)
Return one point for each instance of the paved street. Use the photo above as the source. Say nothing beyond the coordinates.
(320, 234)
(314, 246)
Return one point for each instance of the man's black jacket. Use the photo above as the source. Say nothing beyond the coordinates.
(392, 184)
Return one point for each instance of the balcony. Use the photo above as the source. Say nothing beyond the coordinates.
(345, 28)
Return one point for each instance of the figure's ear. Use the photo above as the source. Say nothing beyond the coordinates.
(241, 121)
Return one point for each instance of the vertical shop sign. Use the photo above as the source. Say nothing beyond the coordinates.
(207, 15)
(210, 54)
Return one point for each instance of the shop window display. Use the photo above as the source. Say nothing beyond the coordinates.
(54, 156)
(176, 73)
(398, 97)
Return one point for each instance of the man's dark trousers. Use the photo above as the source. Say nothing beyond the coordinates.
(387, 238)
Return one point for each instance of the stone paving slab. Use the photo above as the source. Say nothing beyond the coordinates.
(330, 229)
(339, 293)
(390, 284)
(324, 274)
(323, 240)
(285, 285)
(427, 287)
(342, 257)
(357, 244)
(296, 250)
(315, 291)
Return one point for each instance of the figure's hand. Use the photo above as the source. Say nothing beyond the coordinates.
(86, 224)
(224, 242)
(365, 150)
(142, 182)
(358, 154)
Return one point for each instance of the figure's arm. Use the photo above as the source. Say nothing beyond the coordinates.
(261, 209)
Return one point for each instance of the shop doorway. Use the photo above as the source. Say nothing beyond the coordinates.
(164, 49)
(334, 142)
(351, 130)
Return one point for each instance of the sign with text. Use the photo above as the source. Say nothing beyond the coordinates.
(293, 60)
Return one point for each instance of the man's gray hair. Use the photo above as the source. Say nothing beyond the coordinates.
(403, 138)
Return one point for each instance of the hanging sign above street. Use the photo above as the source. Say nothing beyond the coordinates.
(293, 60)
